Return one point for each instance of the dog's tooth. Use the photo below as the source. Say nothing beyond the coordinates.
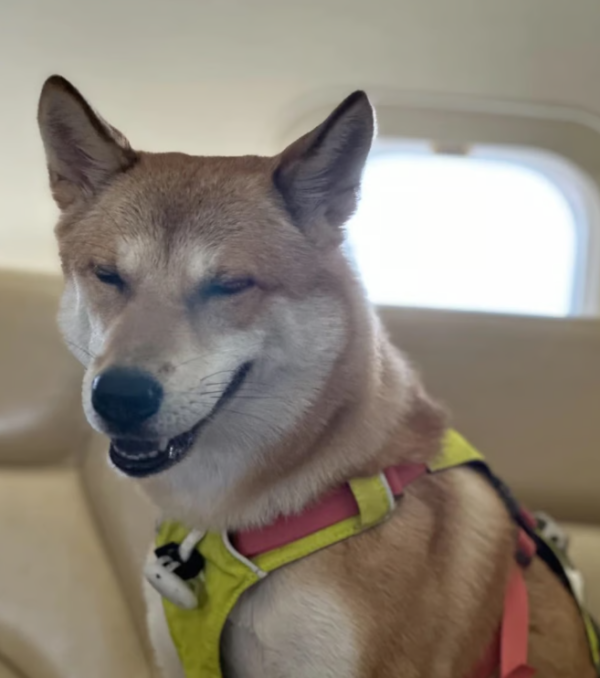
(163, 443)
(139, 456)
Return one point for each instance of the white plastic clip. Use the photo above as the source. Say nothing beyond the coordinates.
(160, 571)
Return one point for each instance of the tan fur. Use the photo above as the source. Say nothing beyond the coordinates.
(328, 398)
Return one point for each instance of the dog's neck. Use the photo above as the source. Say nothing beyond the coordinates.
(372, 413)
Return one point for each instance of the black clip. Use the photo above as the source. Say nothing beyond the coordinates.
(186, 570)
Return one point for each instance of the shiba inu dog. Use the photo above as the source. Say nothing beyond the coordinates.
(240, 373)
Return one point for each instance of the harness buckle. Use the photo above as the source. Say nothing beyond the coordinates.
(172, 567)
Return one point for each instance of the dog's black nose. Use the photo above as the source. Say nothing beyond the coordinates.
(126, 397)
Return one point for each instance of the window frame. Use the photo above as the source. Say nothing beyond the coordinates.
(583, 198)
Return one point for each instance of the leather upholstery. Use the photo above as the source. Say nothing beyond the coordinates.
(524, 390)
(41, 419)
(127, 520)
(74, 535)
(62, 610)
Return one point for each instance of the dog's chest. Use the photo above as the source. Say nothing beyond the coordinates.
(282, 628)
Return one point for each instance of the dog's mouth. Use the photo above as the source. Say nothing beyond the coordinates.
(141, 457)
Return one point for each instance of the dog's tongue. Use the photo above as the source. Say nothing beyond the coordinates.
(134, 446)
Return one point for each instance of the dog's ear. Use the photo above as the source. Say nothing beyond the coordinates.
(83, 152)
(319, 174)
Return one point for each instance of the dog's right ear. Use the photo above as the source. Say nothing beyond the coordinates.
(83, 152)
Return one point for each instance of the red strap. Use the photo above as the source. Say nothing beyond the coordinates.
(526, 547)
(510, 645)
(331, 509)
(514, 633)
(399, 477)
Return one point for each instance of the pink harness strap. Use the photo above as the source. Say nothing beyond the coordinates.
(334, 507)
(509, 647)
(514, 632)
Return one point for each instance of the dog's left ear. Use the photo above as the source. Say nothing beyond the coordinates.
(319, 174)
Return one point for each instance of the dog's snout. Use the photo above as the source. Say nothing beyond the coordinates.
(126, 397)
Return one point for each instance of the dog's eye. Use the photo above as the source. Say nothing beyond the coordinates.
(109, 277)
(224, 287)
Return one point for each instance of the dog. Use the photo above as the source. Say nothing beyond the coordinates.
(240, 373)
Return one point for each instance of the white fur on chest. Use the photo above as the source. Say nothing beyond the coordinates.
(279, 629)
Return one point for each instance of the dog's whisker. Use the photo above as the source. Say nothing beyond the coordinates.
(219, 387)
(203, 355)
(77, 347)
(214, 374)
(194, 389)
(246, 414)
(223, 384)
(216, 396)
(249, 382)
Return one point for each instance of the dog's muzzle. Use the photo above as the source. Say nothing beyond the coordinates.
(141, 457)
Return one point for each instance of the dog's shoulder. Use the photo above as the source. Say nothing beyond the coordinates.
(366, 604)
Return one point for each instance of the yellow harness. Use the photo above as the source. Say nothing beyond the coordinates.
(226, 574)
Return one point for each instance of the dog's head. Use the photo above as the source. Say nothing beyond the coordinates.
(208, 298)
